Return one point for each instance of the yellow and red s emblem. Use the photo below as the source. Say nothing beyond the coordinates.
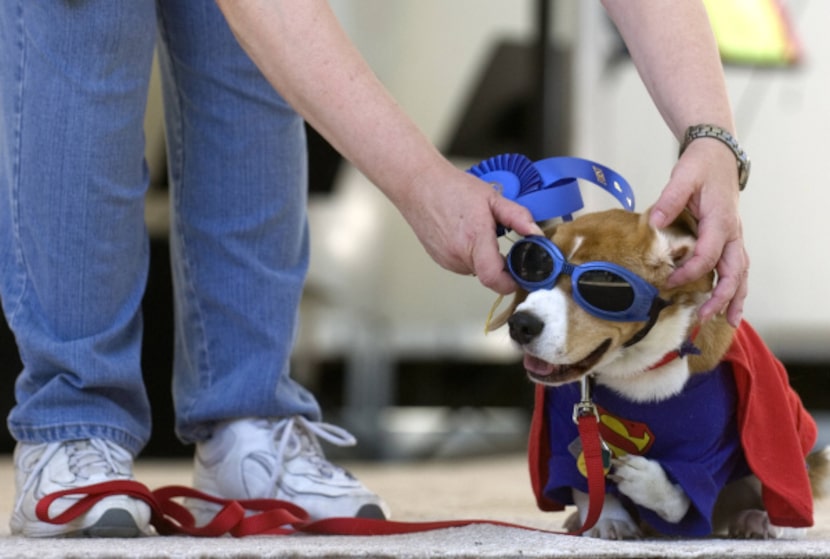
(622, 436)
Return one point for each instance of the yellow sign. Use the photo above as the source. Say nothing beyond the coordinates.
(754, 32)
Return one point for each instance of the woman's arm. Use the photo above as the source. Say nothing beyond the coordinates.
(305, 54)
(674, 50)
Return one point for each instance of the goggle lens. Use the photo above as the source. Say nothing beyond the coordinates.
(605, 290)
(531, 262)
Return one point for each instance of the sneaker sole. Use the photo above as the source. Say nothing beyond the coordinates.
(115, 523)
(371, 511)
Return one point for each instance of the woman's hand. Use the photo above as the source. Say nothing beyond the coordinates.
(455, 219)
(705, 180)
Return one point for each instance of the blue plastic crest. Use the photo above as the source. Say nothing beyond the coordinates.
(549, 188)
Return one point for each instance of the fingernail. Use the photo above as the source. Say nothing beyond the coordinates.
(657, 218)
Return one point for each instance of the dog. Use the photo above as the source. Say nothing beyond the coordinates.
(704, 441)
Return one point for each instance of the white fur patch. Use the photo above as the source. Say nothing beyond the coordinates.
(551, 307)
(645, 482)
(668, 246)
(577, 242)
(630, 375)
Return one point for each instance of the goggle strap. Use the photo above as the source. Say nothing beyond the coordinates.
(654, 313)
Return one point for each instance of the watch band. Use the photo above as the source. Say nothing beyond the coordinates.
(718, 133)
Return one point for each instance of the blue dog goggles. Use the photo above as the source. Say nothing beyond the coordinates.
(605, 290)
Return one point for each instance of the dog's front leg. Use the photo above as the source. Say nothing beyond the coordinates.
(645, 482)
(614, 521)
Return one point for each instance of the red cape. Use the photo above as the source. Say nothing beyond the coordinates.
(776, 433)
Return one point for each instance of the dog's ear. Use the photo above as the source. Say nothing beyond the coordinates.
(685, 223)
(496, 322)
(681, 236)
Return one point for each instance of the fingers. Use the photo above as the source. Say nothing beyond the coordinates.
(714, 250)
(458, 230)
(735, 311)
(709, 250)
(499, 281)
(486, 259)
(710, 192)
(732, 287)
(513, 216)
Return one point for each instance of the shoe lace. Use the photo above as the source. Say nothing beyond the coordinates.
(297, 435)
(95, 456)
(85, 458)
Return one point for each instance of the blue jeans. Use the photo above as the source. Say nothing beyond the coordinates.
(73, 245)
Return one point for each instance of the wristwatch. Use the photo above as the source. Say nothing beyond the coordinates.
(712, 131)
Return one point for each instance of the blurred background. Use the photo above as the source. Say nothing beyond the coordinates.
(394, 346)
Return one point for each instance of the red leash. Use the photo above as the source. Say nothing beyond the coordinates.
(595, 463)
(274, 517)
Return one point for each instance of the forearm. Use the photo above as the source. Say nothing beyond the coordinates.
(304, 53)
(674, 50)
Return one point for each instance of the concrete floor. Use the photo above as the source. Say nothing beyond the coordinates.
(495, 488)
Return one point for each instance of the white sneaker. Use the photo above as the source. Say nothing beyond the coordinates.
(41, 469)
(281, 459)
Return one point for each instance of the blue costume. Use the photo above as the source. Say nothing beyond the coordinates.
(693, 435)
(740, 418)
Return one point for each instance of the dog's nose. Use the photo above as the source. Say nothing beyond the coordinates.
(524, 327)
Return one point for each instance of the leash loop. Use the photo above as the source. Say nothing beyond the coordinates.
(242, 517)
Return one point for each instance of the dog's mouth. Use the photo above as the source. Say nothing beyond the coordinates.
(543, 372)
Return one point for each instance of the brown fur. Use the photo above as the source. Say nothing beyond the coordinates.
(714, 337)
(819, 469)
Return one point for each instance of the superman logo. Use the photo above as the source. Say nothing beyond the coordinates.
(624, 436)
(621, 437)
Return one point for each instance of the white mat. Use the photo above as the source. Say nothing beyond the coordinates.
(495, 488)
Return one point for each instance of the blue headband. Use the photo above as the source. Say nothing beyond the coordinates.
(549, 187)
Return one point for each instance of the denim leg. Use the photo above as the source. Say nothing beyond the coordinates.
(239, 239)
(73, 248)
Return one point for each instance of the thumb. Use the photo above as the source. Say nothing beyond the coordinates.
(669, 205)
(514, 216)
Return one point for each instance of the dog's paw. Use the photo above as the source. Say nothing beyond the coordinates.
(615, 529)
(754, 524)
(622, 528)
(645, 482)
(614, 522)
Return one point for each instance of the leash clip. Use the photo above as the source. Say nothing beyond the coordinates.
(585, 406)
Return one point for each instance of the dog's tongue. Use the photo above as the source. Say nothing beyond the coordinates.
(538, 366)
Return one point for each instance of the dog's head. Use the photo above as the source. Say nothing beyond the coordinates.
(562, 341)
